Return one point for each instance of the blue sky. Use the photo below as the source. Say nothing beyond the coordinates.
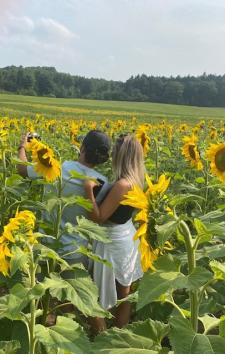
(115, 39)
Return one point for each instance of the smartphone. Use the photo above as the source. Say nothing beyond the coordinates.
(97, 189)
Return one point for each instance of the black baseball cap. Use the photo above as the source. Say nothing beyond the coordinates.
(97, 139)
(97, 146)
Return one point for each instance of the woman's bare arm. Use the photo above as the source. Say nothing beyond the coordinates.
(22, 169)
(103, 212)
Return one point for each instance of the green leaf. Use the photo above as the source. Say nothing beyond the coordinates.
(217, 343)
(90, 230)
(10, 347)
(184, 198)
(133, 298)
(167, 263)
(78, 200)
(213, 215)
(165, 231)
(199, 277)
(80, 291)
(85, 251)
(135, 339)
(209, 322)
(18, 261)
(218, 270)
(15, 160)
(204, 235)
(167, 277)
(212, 252)
(216, 229)
(185, 340)
(76, 175)
(154, 330)
(51, 204)
(222, 326)
(12, 304)
(166, 150)
(46, 253)
(14, 180)
(200, 180)
(66, 335)
(153, 285)
(19, 333)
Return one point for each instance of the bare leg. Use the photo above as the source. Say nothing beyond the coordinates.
(97, 325)
(122, 315)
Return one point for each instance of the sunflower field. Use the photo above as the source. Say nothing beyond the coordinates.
(179, 304)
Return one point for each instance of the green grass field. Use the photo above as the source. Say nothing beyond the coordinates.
(17, 106)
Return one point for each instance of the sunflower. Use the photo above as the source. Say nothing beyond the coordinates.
(143, 138)
(45, 163)
(18, 230)
(148, 255)
(213, 133)
(3, 135)
(216, 155)
(143, 200)
(183, 127)
(157, 188)
(190, 152)
(74, 132)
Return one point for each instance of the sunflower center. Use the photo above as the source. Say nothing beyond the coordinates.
(191, 150)
(46, 161)
(220, 160)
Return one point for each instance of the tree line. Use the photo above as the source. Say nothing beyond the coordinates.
(204, 90)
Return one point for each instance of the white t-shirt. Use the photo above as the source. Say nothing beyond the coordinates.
(73, 187)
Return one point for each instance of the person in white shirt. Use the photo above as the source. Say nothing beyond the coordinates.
(115, 283)
(94, 151)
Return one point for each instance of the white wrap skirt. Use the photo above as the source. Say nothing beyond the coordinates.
(124, 256)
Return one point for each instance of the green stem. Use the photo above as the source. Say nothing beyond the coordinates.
(176, 307)
(46, 298)
(32, 308)
(156, 160)
(194, 301)
(59, 210)
(3, 203)
(59, 306)
(206, 189)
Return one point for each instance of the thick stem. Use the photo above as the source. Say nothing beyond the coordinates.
(32, 308)
(3, 203)
(194, 303)
(206, 188)
(59, 210)
(156, 161)
(46, 298)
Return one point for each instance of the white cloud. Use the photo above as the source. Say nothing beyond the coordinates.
(41, 41)
(117, 38)
(18, 25)
(51, 29)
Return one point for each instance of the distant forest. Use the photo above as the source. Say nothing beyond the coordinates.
(204, 90)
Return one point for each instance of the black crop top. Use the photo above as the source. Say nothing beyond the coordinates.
(122, 214)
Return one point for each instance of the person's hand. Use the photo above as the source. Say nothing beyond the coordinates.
(88, 188)
(89, 185)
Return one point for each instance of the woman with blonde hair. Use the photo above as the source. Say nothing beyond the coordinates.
(115, 283)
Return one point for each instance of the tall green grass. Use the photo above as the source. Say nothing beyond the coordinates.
(18, 106)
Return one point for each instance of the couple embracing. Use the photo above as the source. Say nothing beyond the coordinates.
(128, 169)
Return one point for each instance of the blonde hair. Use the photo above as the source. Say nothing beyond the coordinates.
(128, 160)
